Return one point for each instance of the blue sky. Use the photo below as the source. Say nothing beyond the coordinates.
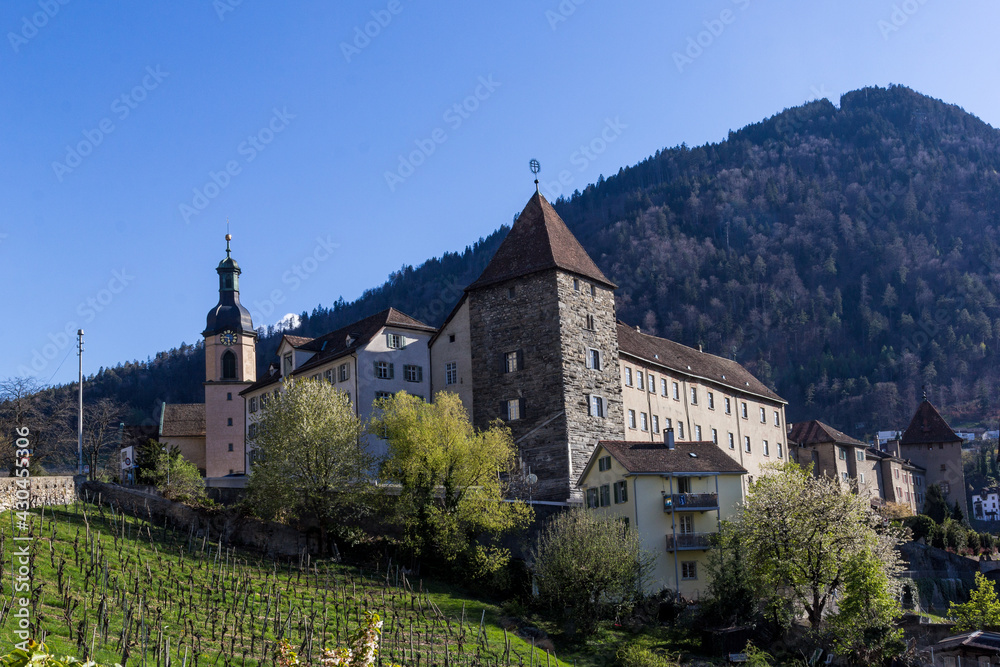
(344, 140)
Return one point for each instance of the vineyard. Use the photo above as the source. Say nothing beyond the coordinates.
(116, 588)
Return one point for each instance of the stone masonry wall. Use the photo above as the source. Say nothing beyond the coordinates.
(527, 321)
(577, 300)
(44, 491)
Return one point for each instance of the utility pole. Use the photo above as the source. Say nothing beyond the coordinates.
(79, 421)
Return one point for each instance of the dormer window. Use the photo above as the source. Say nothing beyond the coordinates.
(289, 366)
(394, 341)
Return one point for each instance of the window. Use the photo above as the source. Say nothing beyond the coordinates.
(945, 488)
(667, 423)
(711, 401)
(593, 290)
(382, 394)
(663, 386)
(746, 444)
(511, 362)
(844, 476)
(729, 410)
(228, 365)
(451, 372)
(628, 376)
(511, 292)
(253, 404)
(777, 421)
(590, 323)
(605, 495)
(604, 463)
(591, 498)
(680, 430)
(732, 441)
(778, 447)
(694, 396)
(451, 338)
(315, 376)
(252, 431)
(329, 376)
(229, 421)
(677, 391)
(394, 341)
(621, 492)
(763, 416)
(345, 372)
(767, 450)
(288, 367)
(643, 421)
(576, 284)
(689, 569)
(656, 424)
(229, 395)
(652, 384)
(715, 436)
(594, 359)
(944, 467)
(513, 409)
(384, 370)
(896, 473)
(861, 455)
(841, 453)
(230, 446)
(413, 373)
(861, 477)
(639, 375)
(744, 409)
(597, 408)
(263, 400)
(631, 418)
(685, 523)
(697, 433)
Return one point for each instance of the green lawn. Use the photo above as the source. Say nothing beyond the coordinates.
(106, 584)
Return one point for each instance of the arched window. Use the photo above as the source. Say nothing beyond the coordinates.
(229, 365)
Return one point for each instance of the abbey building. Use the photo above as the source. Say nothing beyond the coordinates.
(534, 341)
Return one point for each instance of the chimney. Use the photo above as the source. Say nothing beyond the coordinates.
(668, 437)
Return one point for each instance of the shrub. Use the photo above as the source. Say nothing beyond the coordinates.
(177, 478)
(937, 537)
(987, 541)
(956, 535)
(634, 655)
(972, 540)
(920, 525)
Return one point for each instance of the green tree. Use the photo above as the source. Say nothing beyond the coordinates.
(921, 526)
(453, 491)
(935, 506)
(177, 478)
(955, 535)
(309, 458)
(799, 534)
(981, 612)
(865, 623)
(956, 513)
(733, 593)
(589, 564)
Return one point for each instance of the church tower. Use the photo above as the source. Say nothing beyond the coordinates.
(544, 343)
(230, 367)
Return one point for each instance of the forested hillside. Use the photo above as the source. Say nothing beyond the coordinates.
(848, 256)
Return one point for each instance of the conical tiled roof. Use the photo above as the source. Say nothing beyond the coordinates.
(928, 427)
(539, 240)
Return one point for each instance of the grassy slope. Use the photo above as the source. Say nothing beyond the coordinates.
(225, 605)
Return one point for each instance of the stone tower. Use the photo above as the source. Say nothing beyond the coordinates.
(545, 349)
(931, 444)
(230, 367)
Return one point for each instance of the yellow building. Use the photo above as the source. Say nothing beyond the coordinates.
(674, 494)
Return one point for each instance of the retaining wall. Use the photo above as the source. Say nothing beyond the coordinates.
(43, 491)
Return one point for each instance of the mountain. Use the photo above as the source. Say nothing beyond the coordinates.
(847, 256)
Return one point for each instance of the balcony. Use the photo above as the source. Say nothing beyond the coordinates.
(688, 541)
(690, 502)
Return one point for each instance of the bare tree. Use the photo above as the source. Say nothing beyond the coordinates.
(101, 432)
(46, 412)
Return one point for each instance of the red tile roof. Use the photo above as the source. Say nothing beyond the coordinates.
(656, 457)
(689, 361)
(538, 241)
(928, 427)
(183, 420)
(816, 432)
